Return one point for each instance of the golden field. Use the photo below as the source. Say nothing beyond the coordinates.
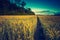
(24, 26)
(51, 25)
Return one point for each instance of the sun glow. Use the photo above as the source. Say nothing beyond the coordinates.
(43, 12)
(36, 10)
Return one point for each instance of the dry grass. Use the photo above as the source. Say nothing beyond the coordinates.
(51, 25)
(25, 26)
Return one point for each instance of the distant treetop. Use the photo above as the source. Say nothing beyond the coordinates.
(16, 8)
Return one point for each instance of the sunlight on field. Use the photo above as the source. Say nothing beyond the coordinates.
(23, 26)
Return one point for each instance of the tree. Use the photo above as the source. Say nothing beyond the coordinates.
(29, 9)
(4, 6)
(23, 4)
(18, 1)
(9, 7)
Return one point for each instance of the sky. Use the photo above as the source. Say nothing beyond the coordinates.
(47, 6)
(43, 7)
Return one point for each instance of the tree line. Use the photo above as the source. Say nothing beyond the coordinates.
(18, 8)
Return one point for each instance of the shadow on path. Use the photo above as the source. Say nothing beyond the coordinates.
(39, 34)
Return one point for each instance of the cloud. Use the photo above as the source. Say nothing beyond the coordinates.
(57, 14)
(46, 12)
